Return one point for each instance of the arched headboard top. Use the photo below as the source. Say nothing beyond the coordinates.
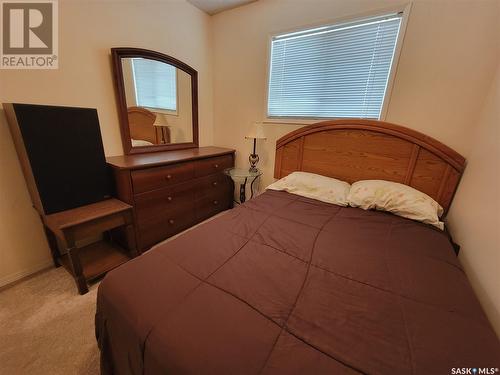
(140, 122)
(357, 149)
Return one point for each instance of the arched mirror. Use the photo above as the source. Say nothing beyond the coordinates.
(157, 101)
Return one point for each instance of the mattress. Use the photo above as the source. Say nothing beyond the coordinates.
(289, 285)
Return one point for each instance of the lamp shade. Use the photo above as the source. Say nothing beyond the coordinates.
(256, 131)
(160, 120)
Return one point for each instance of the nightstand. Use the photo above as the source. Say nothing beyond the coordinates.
(243, 176)
(111, 218)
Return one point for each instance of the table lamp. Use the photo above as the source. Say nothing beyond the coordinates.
(161, 122)
(256, 132)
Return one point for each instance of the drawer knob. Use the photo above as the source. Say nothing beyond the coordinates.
(168, 176)
(216, 166)
(214, 183)
(171, 221)
(216, 203)
(169, 199)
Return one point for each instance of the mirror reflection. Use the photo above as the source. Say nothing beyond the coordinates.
(159, 102)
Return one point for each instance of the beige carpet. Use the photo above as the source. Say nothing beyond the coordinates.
(46, 327)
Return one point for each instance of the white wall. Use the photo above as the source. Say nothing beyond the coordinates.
(448, 59)
(87, 31)
(475, 215)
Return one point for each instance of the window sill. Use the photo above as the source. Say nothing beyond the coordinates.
(163, 111)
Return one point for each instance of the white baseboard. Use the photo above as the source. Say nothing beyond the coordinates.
(9, 279)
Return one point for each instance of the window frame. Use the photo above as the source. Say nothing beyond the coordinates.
(165, 111)
(404, 9)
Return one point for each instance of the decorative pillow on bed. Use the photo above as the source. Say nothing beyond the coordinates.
(401, 200)
(315, 186)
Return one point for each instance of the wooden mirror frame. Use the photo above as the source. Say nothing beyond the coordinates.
(117, 55)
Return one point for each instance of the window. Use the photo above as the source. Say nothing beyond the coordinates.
(333, 71)
(155, 84)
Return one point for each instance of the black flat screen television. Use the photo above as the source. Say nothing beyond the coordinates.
(66, 154)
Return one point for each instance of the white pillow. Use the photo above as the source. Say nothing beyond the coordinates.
(140, 142)
(401, 200)
(315, 186)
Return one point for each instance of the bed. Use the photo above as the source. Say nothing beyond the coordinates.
(285, 284)
(143, 131)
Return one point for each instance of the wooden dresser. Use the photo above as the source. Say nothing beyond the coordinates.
(173, 190)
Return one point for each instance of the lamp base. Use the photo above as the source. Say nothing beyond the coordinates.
(253, 159)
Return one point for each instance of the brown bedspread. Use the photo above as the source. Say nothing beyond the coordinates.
(290, 285)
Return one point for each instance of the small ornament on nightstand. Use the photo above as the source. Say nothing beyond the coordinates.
(257, 132)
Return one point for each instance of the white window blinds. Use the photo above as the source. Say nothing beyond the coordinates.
(155, 84)
(333, 71)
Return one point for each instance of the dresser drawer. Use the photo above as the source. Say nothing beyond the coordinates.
(213, 165)
(217, 183)
(212, 204)
(158, 228)
(155, 178)
(159, 202)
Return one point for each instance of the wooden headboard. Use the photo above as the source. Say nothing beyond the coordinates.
(356, 149)
(140, 122)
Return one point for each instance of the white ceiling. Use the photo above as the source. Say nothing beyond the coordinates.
(216, 6)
